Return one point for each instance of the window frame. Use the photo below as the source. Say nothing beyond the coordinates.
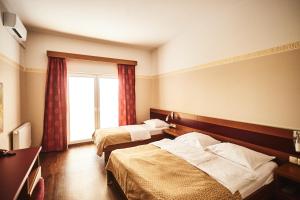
(97, 102)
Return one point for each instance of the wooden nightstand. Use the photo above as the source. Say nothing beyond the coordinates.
(287, 178)
(179, 130)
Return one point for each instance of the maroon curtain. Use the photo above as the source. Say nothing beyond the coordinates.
(55, 114)
(127, 114)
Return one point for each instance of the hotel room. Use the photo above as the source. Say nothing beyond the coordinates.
(168, 100)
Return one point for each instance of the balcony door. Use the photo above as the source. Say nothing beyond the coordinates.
(93, 103)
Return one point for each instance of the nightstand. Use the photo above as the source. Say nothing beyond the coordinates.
(179, 130)
(287, 178)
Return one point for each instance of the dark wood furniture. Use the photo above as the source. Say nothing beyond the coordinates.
(91, 58)
(273, 141)
(179, 130)
(269, 140)
(18, 172)
(287, 178)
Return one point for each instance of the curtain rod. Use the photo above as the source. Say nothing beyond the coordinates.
(92, 58)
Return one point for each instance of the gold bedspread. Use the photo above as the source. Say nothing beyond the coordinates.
(148, 172)
(108, 136)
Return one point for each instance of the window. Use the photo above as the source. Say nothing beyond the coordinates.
(93, 103)
(109, 109)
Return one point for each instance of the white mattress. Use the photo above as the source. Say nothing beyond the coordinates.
(265, 176)
(153, 131)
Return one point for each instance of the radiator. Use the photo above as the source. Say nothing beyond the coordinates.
(22, 136)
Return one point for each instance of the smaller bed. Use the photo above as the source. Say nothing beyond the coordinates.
(109, 139)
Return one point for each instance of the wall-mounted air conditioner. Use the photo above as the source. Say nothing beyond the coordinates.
(15, 26)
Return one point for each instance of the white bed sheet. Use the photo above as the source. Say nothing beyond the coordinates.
(265, 176)
(246, 182)
(230, 175)
(142, 131)
(153, 131)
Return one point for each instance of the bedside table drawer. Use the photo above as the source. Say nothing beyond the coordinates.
(179, 130)
(287, 178)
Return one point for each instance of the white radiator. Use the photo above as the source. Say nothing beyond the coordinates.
(22, 136)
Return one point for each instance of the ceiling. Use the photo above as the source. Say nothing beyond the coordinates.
(151, 23)
(147, 23)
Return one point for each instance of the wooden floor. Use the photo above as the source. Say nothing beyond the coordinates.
(77, 173)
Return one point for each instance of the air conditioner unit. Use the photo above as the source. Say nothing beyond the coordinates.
(15, 26)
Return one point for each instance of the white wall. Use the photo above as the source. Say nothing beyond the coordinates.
(38, 43)
(9, 47)
(10, 58)
(244, 27)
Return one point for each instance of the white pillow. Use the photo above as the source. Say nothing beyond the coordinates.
(241, 155)
(156, 123)
(196, 139)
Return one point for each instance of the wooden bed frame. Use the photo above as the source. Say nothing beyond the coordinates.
(273, 141)
(266, 139)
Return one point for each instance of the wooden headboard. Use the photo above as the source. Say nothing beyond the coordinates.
(270, 140)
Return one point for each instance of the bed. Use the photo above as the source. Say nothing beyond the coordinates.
(109, 139)
(141, 172)
(149, 172)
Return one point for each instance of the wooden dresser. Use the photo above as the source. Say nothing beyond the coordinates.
(19, 173)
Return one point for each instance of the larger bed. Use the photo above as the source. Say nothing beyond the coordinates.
(149, 172)
(154, 172)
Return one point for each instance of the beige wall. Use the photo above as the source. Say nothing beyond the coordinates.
(10, 77)
(10, 58)
(33, 103)
(36, 65)
(261, 90)
(144, 95)
(231, 30)
(264, 90)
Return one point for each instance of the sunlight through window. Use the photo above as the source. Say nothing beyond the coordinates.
(108, 102)
(84, 110)
(82, 104)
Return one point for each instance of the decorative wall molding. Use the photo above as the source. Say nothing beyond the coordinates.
(10, 62)
(148, 77)
(35, 70)
(44, 71)
(15, 65)
(234, 59)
